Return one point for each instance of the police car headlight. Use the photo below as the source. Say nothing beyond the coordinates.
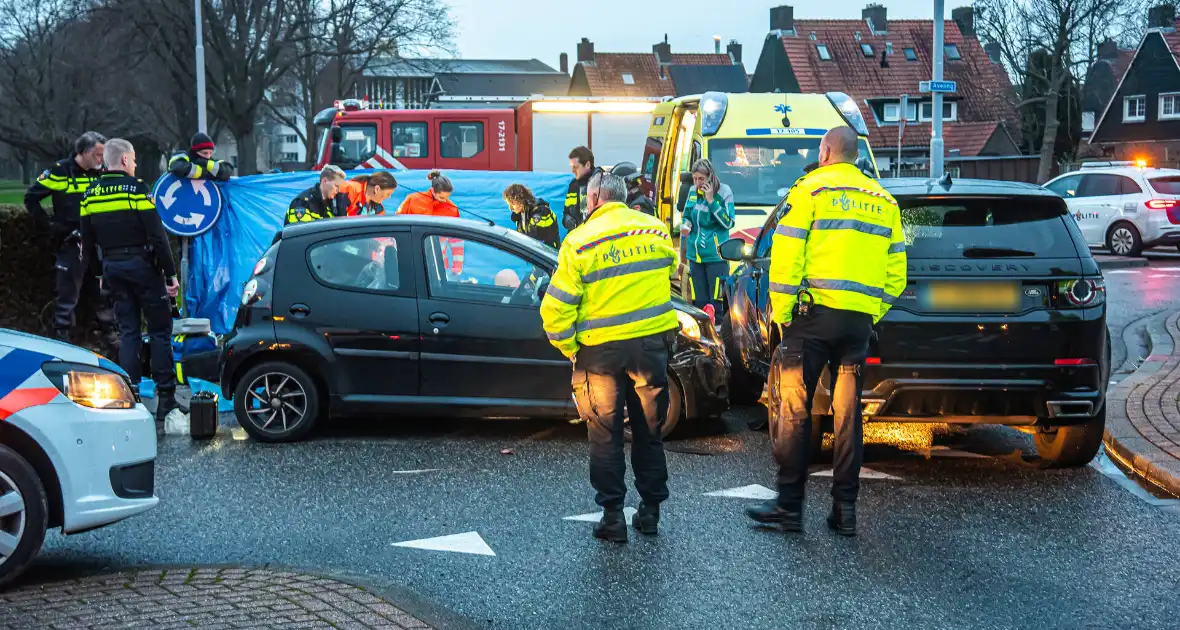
(689, 327)
(90, 386)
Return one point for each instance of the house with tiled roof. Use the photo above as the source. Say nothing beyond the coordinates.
(1102, 78)
(876, 61)
(1142, 118)
(659, 73)
(418, 83)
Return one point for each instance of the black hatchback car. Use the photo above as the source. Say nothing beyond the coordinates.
(418, 315)
(1003, 319)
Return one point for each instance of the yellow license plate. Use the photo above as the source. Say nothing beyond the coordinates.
(969, 296)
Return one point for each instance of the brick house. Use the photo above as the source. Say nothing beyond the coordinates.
(660, 73)
(875, 61)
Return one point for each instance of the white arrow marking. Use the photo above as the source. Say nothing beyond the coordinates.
(594, 517)
(415, 472)
(752, 491)
(170, 194)
(467, 542)
(865, 473)
(199, 188)
(193, 219)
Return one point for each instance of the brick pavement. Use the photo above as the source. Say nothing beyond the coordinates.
(1143, 411)
(206, 598)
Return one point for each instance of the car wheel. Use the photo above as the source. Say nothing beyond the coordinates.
(675, 410)
(24, 515)
(1124, 239)
(745, 388)
(1072, 446)
(276, 402)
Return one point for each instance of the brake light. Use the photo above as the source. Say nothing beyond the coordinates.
(1081, 293)
(1161, 204)
(1074, 362)
(873, 361)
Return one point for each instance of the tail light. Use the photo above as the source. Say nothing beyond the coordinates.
(256, 291)
(1074, 362)
(1161, 204)
(1081, 293)
(873, 361)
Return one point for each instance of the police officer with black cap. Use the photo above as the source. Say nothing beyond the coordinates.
(119, 219)
(64, 183)
(198, 162)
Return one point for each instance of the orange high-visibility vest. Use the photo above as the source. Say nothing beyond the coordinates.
(424, 203)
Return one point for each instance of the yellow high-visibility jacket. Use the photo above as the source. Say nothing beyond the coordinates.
(612, 281)
(842, 240)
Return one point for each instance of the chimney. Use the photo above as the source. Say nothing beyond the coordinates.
(782, 18)
(663, 51)
(1108, 49)
(735, 51)
(993, 51)
(874, 14)
(717, 44)
(965, 18)
(585, 50)
(1161, 16)
(564, 63)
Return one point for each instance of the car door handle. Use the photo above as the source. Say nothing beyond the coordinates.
(300, 310)
(439, 319)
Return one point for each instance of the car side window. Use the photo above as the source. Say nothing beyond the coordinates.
(1066, 187)
(1099, 185)
(362, 263)
(1127, 186)
(474, 271)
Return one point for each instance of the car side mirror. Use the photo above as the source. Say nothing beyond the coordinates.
(337, 134)
(866, 166)
(736, 250)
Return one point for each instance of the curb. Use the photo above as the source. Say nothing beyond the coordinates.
(1126, 446)
(1119, 262)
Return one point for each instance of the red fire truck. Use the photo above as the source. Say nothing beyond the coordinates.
(536, 136)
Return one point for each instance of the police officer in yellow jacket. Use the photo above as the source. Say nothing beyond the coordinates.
(198, 162)
(837, 263)
(609, 309)
(322, 201)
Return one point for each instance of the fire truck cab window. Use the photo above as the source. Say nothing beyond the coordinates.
(460, 139)
(409, 140)
(359, 143)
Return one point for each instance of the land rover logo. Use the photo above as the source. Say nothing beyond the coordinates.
(1032, 292)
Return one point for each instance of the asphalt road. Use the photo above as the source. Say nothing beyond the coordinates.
(965, 530)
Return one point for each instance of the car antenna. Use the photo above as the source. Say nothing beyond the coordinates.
(491, 223)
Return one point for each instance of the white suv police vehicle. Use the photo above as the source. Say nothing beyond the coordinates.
(1121, 206)
(77, 451)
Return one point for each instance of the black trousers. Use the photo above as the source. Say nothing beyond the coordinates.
(706, 283)
(71, 282)
(838, 340)
(139, 294)
(608, 380)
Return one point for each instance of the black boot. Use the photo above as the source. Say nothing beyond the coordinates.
(165, 402)
(647, 520)
(612, 527)
(790, 518)
(843, 518)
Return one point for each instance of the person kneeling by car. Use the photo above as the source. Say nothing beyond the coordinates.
(609, 309)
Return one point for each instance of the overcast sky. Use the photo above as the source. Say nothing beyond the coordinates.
(542, 29)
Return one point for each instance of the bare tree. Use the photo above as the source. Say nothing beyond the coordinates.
(346, 37)
(1066, 33)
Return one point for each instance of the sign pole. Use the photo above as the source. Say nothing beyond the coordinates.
(936, 144)
(183, 275)
(905, 108)
(200, 55)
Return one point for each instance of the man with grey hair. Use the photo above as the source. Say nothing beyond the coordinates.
(609, 310)
(64, 183)
(119, 219)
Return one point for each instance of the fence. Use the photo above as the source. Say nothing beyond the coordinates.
(1016, 168)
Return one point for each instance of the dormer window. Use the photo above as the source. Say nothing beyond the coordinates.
(910, 55)
(628, 78)
(952, 52)
(824, 54)
(867, 49)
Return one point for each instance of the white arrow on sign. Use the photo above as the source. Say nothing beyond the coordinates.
(194, 219)
(170, 195)
(199, 188)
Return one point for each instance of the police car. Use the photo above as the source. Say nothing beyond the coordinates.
(77, 450)
(1123, 206)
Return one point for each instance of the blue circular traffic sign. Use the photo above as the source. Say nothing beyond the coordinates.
(187, 207)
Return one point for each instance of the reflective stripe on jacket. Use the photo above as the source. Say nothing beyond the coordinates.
(612, 281)
(842, 240)
(711, 223)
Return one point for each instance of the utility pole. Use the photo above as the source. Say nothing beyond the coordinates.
(901, 121)
(936, 145)
(202, 124)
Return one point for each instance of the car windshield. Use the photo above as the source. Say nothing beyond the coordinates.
(989, 227)
(761, 170)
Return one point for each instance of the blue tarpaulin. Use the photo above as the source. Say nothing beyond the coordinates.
(222, 259)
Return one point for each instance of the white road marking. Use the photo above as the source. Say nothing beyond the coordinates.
(865, 473)
(467, 542)
(752, 491)
(1111, 272)
(594, 517)
(414, 472)
(943, 451)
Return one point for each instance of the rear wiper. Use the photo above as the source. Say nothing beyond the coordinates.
(994, 252)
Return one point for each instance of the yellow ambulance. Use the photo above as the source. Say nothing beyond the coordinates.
(759, 145)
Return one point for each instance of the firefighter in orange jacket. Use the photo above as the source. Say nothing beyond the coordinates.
(436, 202)
(367, 193)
